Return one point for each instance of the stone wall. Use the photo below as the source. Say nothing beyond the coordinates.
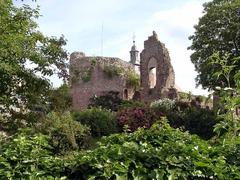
(88, 75)
(84, 87)
(155, 55)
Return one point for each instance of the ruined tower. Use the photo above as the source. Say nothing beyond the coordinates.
(157, 74)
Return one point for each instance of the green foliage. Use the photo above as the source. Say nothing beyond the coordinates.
(183, 96)
(227, 70)
(133, 80)
(26, 156)
(27, 57)
(216, 31)
(112, 70)
(110, 100)
(60, 99)
(230, 148)
(87, 75)
(200, 122)
(163, 105)
(197, 121)
(230, 103)
(75, 76)
(102, 122)
(200, 99)
(158, 153)
(65, 134)
(131, 103)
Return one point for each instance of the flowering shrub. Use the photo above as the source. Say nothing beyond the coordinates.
(135, 117)
(163, 105)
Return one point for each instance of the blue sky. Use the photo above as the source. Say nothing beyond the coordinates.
(81, 22)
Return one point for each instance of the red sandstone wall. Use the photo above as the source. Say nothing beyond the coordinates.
(99, 83)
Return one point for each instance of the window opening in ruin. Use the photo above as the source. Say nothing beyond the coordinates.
(125, 94)
(152, 73)
(152, 78)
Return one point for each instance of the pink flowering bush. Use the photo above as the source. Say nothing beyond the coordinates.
(135, 117)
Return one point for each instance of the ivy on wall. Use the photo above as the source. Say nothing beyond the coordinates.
(133, 79)
(112, 70)
(86, 75)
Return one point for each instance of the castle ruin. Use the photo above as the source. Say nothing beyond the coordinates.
(157, 74)
(95, 76)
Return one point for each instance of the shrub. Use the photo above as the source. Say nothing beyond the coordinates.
(135, 117)
(110, 100)
(195, 120)
(163, 105)
(182, 105)
(27, 156)
(102, 122)
(133, 79)
(60, 99)
(200, 122)
(65, 133)
(160, 152)
(183, 96)
(131, 103)
(112, 70)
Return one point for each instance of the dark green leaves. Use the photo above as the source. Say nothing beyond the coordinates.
(27, 59)
(216, 31)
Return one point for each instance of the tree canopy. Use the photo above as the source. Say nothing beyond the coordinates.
(27, 58)
(218, 31)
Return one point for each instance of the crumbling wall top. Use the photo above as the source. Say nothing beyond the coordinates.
(76, 59)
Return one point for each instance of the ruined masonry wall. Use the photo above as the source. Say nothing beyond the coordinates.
(99, 83)
(165, 77)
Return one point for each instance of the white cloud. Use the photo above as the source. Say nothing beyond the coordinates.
(176, 25)
(173, 26)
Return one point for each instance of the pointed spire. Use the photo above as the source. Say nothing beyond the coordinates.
(133, 52)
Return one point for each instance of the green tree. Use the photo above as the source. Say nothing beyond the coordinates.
(60, 99)
(27, 59)
(218, 30)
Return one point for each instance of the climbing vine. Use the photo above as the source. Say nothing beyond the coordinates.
(133, 79)
(112, 70)
(86, 75)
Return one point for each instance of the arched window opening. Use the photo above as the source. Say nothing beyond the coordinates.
(125, 94)
(152, 77)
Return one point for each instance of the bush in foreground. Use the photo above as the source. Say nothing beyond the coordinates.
(65, 134)
(26, 156)
(102, 122)
(134, 117)
(110, 100)
(160, 152)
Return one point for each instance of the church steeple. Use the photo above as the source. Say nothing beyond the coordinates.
(134, 53)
